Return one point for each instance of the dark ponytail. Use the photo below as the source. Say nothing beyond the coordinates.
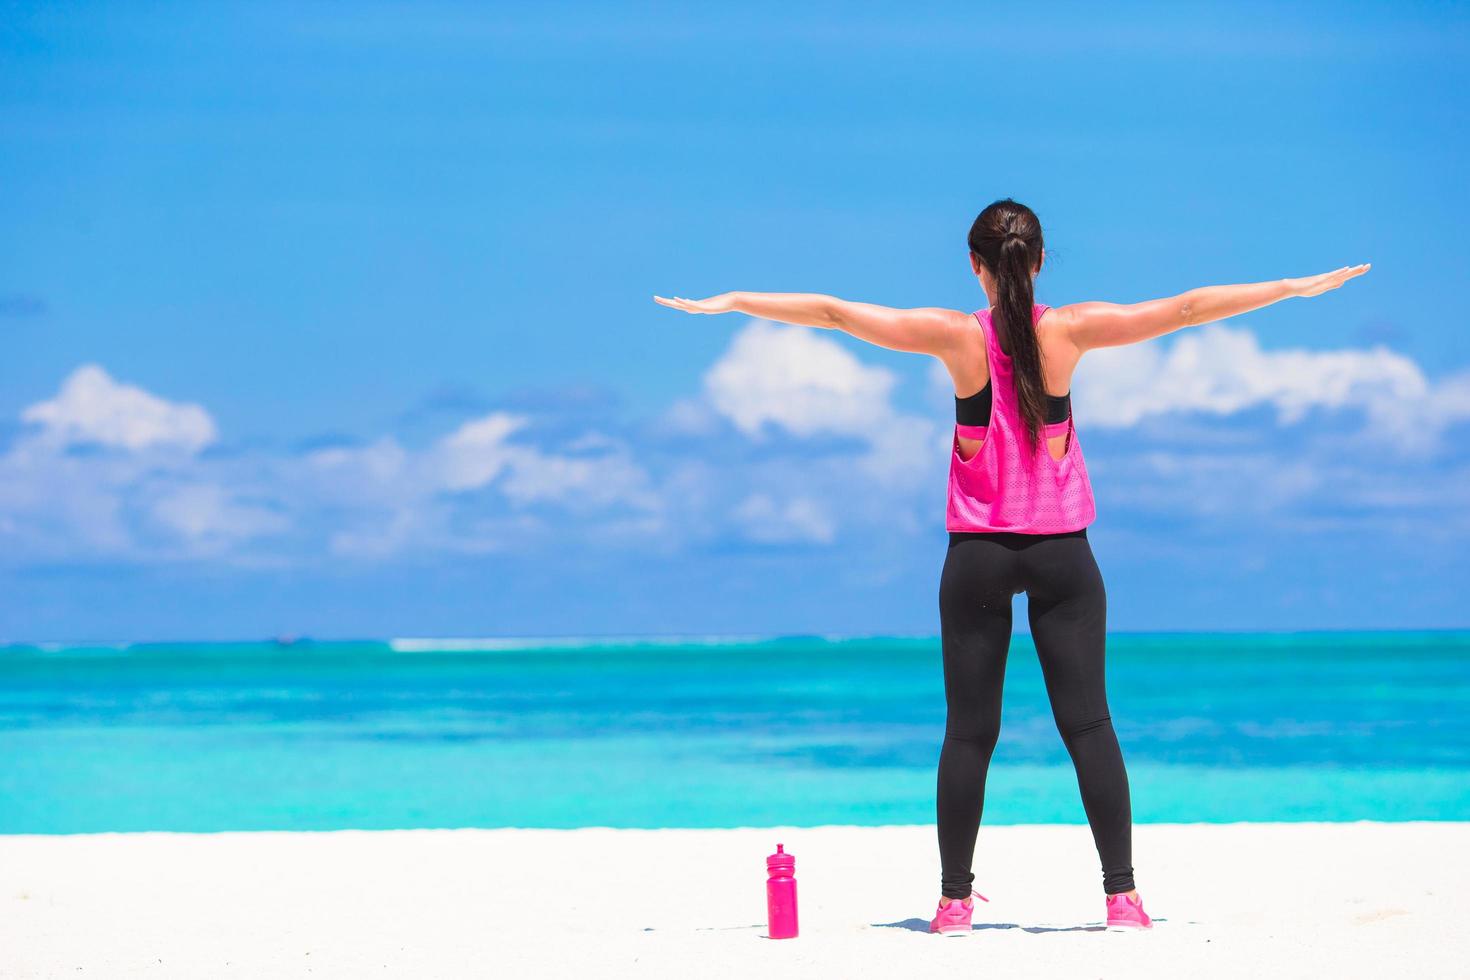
(1006, 239)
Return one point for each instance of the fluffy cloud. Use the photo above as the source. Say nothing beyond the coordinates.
(378, 464)
(453, 494)
(797, 380)
(93, 408)
(477, 452)
(212, 516)
(599, 473)
(153, 496)
(800, 519)
(145, 497)
(791, 439)
(60, 506)
(1219, 370)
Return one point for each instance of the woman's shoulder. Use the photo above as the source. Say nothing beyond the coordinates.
(1057, 319)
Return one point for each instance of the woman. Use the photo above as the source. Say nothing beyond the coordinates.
(1017, 516)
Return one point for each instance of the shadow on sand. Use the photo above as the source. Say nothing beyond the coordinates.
(922, 925)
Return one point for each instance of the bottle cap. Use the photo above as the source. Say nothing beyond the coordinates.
(781, 859)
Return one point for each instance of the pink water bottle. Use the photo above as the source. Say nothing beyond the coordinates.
(781, 894)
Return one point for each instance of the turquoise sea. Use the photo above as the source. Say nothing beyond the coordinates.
(712, 732)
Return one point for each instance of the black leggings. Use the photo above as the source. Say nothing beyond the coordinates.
(1068, 611)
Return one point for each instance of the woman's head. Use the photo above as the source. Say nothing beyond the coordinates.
(1005, 225)
(1006, 252)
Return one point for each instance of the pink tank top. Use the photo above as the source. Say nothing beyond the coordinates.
(1005, 486)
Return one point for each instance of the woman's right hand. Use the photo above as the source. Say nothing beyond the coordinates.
(723, 303)
(1317, 285)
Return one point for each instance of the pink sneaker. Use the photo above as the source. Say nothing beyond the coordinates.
(954, 919)
(1127, 913)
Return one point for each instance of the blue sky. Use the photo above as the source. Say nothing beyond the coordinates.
(336, 321)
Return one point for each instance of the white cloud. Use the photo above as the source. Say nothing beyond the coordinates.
(795, 379)
(800, 519)
(93, 408)
(1219, 370)
(1252, 485)
(687, 417)
(1451, 398)
(54, 505)
(600, 473)
(501, 482)
(376, 463)
(154, 502)
(211, 515)
(384, 535)
(577, 481)
(476, 452)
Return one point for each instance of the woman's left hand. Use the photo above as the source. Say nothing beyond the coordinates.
(722, 303)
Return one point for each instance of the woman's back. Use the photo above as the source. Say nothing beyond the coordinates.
(1059, 355)
(1010, 482)
(969, 368)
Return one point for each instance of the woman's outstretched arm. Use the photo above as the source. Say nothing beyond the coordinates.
(1092, 325)
(928, 330)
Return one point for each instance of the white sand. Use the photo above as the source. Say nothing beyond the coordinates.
(1242, 900)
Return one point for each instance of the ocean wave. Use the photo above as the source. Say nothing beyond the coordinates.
(495, 643)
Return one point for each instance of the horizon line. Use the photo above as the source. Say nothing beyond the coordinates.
(510, 641)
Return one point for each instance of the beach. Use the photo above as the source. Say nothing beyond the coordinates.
(1279, 899)
(252, 810)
